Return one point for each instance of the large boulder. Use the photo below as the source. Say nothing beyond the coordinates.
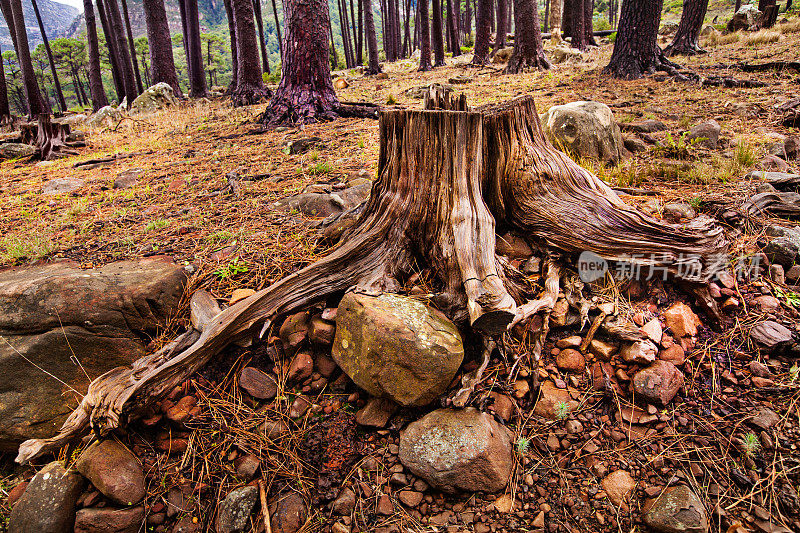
(746, 18)
(585, 129)
(157, 97)
(62, 322)
(396, 347)
(458, 450)
(48, 503)
(16, 150)
(107, 116)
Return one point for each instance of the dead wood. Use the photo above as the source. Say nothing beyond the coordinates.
(49, 138)
(445, 179)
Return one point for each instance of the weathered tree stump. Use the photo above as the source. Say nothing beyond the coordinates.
(445, 178)
(49, 137)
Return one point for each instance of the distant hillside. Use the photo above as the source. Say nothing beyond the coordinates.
(57, 19)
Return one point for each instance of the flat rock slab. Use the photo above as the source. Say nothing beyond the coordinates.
(48, 504)
(72, 322)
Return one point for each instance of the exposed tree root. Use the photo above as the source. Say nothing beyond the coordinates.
(445, 178)
(249, 94)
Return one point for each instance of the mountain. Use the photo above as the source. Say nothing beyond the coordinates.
(56, 18)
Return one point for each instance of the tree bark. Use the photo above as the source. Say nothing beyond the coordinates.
(250, 87)
(185, 40)
(125, 62)
(162, 62)
(62, 104)
(577, 17)
(99, 97)
(113, 57)
(132, 46)
(13, 11)
(446, 180)
(262, 42)
(360, 40)
(528, 48)
(588, 22)
(467, 19)
(424, 36)
(482, 32)
(277, 27)
(374, 65)
(234, 56)
(687, 36)
(5, 108)
(502, 25)
(635, 50)
(437, 36)
(197, 80)
(452, 29)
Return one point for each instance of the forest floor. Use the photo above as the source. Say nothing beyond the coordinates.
(181, 206)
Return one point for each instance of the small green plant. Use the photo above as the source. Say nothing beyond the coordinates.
(219, 236)
(794, 373)
(696, 203)
(562, 410)
(680, 148)
(751, 443)
(361, 144)
(314, 155)
(156, 224)
(745, 154)
(684, 122)
(523, 445)
(391, 100)
(31, 248)
(234, 267)
(320, 168)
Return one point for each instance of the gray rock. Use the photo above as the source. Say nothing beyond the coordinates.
(458, 450)
(71, 120)
(676, 510)
(764, 418)
(107, 116)
(645, 126)
(62, 186)
(420, 90)
(114, 471)
(110, 520)
(323, 205)
(783, 250)
(746, 18)
(677, 211)
(396, 347)
(706, 133)
(585, 129)
(771, 335)
(668, 28)
(235, 509)
(634, 144)
(159, 96)
(503, 55)
(563, 53)
(57, 314)
(128, 178)
(48, 504)
(16, 150)
(299, 146)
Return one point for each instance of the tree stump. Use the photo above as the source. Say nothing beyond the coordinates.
(49, 137)
(446, 178)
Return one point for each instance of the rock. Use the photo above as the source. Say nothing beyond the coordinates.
(299, 406)
(784, 251)
(682, 322)
(706, 134)
(301, 367)
(303, 144)
(570, 360)
(746, 18)
(658, 383)
(674, 354)
(653, 330)
(240, 294)
(503, 55)
(586, 129)
(247, 466)
(62, 186)
(757, 368)
(71, 120)
(56, 312)
(340, 83)
(384, 506)
(234, 511)
(420, 90)
(639, 352)
(676, 510)
(274, 429)
(602, 350)
(325, 365)
(668, 28)
(678, 211)
(774, 163)
(16, 150)
(258, 384)
(503, 406)
(187, 525)
(182, 410)
(458, 450)
(106, 117)
(645, 126)
(460, 79)
(109, 520)
(154, 98)
(16, 493)
(563, 53)
(128, 178)
(48, 504)
(634, 144)
(288, 513)
(321, 332)
(764, 418)
(114, 471)
(766, 303)
(376, 413)
(345, 502)
(396, 347)
(294, 332)
(410, 498)
(771, 335)
(618, 486)
(324, 205)
(572, 341)
(550, 400)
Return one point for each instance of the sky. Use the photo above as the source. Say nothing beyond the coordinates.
(75, 3)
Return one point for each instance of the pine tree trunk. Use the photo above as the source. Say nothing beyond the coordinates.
(528, 48)
(406, 50)
(566, 18)
(99, 97)
(132, 45)
(125, 62)
(482, 32)
(452, 29)
(374, 65)
(62, 104)
(577, 17)
(262, 42)
(162, 62)
(234, 55)
(467, 19)
(250, 87)
(446, 180)
(687, 37)
(5, 108)
(502, 25)
(386, 25)
(555, 18)
(588, 22)
(197, 80)
(277, 27)
(185, 39)
(424, 36)
(13, 11)
(437, 36)
(360, 43)
(635, 50)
